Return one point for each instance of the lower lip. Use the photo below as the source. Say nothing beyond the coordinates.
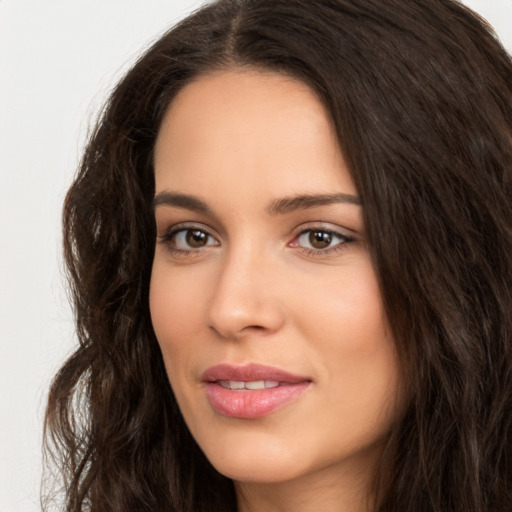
(250, 404)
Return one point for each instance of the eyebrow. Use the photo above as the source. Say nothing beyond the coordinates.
(303, 202)
(276, 207)
(180, 201)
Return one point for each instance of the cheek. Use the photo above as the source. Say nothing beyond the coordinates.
(352, 344)
(175, 314)
(345, 313)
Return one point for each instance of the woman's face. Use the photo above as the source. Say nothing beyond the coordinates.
(263, 296)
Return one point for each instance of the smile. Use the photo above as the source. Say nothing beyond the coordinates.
(251, 391)
(251, 385)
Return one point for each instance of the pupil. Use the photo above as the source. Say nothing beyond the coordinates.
(320, 239)
(196, 238)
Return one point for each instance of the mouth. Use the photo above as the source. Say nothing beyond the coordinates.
(239, 385)
(251, 391)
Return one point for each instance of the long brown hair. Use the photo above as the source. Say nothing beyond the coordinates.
(420, 93)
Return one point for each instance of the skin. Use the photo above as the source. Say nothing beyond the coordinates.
(259, 291)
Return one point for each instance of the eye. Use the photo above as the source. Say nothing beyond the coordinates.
(320, 240)
(192, 239)
(185, 240)
(317, 239)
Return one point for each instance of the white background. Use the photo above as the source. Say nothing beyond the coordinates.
(58, 60)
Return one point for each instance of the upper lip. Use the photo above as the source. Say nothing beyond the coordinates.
(250, 372)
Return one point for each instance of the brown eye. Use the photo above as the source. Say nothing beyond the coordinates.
(189, 239)
(196, 238)
(320, 239)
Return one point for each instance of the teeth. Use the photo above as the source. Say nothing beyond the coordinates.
(253, 384)
(256, 384)
(236, 384)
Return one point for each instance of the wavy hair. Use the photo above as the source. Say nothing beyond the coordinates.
(420, 94)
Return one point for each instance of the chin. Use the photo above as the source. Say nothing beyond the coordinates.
(269, 470)
(269, 458)
(262, 460)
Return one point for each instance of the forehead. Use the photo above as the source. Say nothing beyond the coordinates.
(245, 127)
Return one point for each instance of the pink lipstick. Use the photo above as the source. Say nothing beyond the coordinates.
(251, 391)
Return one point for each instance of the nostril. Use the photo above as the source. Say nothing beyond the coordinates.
(248, 331)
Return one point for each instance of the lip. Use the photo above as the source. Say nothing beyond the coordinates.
(249, 404)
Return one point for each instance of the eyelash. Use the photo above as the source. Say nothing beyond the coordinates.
(328, 251)
(169, 239)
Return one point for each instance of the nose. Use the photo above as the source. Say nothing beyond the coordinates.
(246, 299)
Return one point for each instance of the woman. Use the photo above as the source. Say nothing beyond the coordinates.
(289, 246)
